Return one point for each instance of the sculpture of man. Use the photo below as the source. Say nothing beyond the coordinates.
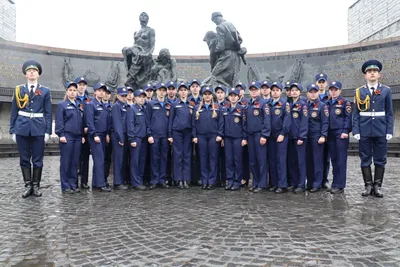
(228, 54)
(164, 68)
(138, 58)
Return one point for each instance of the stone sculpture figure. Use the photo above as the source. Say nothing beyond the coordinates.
(138, 58)
(164, 68)
(228, 53)
(67, 71)
(113, 76)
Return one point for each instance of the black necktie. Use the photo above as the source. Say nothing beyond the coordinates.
(373, 90)
(31, 93)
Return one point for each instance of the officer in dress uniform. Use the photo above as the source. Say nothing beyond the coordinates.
(340, 126)
(137, 127)
(80, 100)
(99, 125)
(321, 80)
(373, 126)
(30, 125)
(278, 142)
(69, 128)
(195, 99)
(318, 124)
(119, 138)
(265, 90)
(158, 112)
(257, 113)
(243, 101)
(235, 138)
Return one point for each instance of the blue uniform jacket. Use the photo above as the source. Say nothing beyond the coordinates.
(137, 123)
(206, 124)
(318, 121)
(244, 101)
(192, 101)
(367, 123)
(68, 119)
(257, 114)
(119, 122)
(299, 125)
(97, 117)
(340, 115)
(80, 102)
(181, 116)
(40, 103)
(234, 122)
(171, 100)
(324, 98)
(157, 119)
(280, 118)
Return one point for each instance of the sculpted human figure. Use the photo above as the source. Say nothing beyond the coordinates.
(138, 58)
(164, 68)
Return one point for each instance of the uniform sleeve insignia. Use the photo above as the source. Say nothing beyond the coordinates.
(305, 111)
(349, 108)
(287, 108)
(326, 111)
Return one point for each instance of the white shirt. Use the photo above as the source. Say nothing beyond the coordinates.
(372, 85)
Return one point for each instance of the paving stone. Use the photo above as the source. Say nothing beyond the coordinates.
(198, 228)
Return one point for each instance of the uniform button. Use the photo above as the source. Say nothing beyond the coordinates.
(31, 101)
(31, 109)
(373, 118)
(373, 101)
(373, 110)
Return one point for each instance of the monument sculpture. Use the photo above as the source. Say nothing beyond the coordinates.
(138, 58)
(226, 53)
(67, 71)
(113, 76)
(164, 68)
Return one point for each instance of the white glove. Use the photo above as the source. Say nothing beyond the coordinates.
(357, 136)
(46, 137)
(14, 138)
(389, 136)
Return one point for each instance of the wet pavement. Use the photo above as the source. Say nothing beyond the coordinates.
(192, 227)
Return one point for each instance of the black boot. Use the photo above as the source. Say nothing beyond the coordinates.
(36, 177)
(27, 174)
(367, 176)
(378, 179)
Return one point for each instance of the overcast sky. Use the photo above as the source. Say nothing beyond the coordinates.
(180, 25)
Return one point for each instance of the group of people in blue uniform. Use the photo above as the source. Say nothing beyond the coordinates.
(288, 141)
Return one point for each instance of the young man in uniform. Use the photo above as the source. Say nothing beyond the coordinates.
(30, 125)
(373, 126)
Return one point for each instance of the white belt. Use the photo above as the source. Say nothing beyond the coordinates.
(372, 114)
(30, 115)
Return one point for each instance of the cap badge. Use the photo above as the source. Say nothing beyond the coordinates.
(321, 75)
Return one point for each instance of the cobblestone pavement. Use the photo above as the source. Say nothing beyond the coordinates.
(197, 228)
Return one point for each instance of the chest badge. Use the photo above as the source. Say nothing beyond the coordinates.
(338, 111)
(314, 114)
(295, 115)
(256, 112)
(236, 120)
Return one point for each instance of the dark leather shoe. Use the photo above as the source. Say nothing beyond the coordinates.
(105, 189)
(85, 186)
(251, 189)
(228, 186)
(272, 189)
(198, 182)
(337, 190)
(180, 185)
(280, 190)
(76, 190)
(235, 188)
(367, 191)
(164, 185)
(298, 190)
(211, 187)
(204, 187)
(140, 187)
(185, 185)
(68, 191)
(28, 190)
(378, 191)
(35, 191)
(314, 190)
(258, 190)
(325, 185)
(290, 188)
(152, 186)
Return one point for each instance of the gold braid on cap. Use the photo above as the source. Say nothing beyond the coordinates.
(360, 102)
(21, 102)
